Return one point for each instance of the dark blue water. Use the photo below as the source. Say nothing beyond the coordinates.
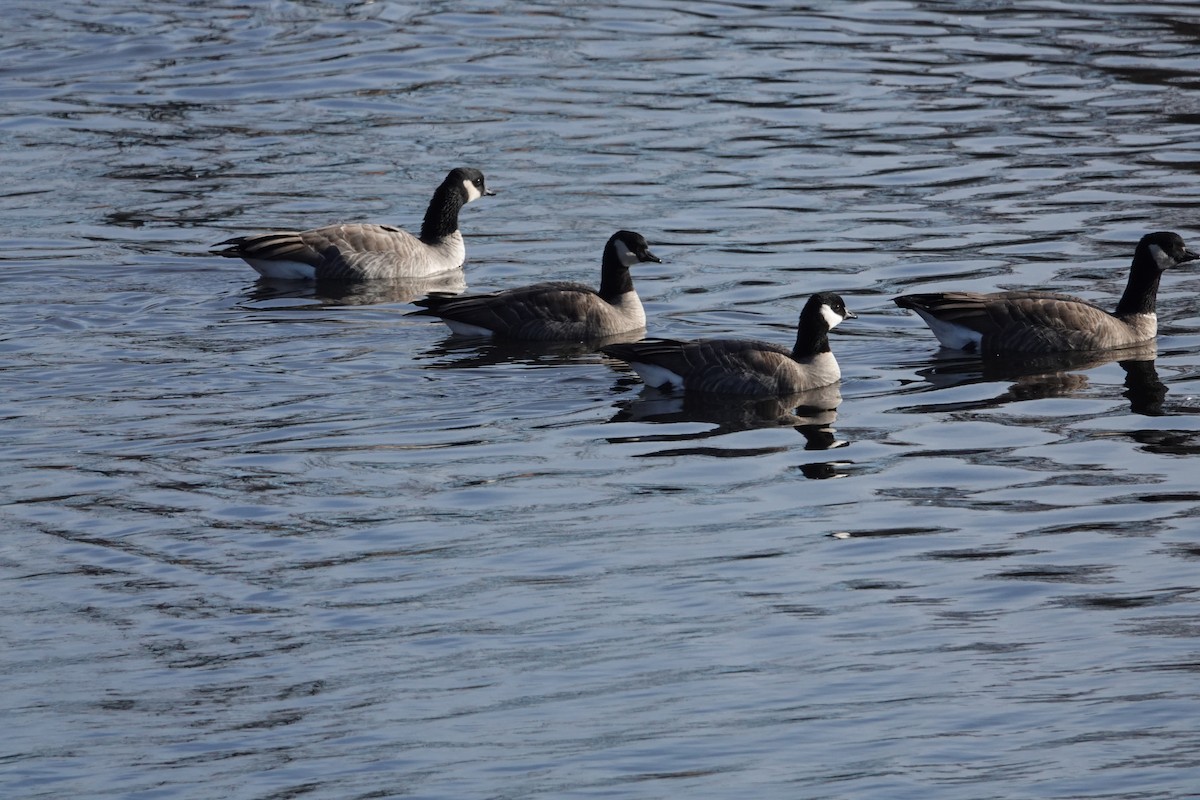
(263, 542)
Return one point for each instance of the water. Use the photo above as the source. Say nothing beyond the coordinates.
(263, 543)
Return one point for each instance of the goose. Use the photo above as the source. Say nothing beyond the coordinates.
(1028, 322)
(355, 252)
(743, 366)
(558, 310)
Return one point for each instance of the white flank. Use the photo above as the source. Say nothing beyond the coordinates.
(656, 376)
(949, 334)
(283, 270)
(467, 329)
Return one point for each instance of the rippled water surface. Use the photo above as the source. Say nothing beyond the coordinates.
(277, 542)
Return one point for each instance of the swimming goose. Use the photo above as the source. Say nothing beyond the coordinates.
(557, 310)
(743, 366)
(1042, 322)
(360, 252)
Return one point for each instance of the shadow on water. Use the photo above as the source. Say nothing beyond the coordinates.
(323, 294)
(1169, 442)
(1046, 376)
(468, 352)
(811, 414)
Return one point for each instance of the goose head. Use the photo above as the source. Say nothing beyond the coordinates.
(629, 248)
(472, 182)
(827, 307)
(1165, 249)
(822, 313)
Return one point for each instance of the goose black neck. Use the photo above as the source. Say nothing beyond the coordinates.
(441, 218)
(1142, 290)
(615, 279)
(811, 339)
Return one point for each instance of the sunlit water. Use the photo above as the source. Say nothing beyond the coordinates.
(262, 542)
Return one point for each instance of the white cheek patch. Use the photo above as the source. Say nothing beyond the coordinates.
(627, 256)
(473, 192)
(1161, 257)
(831, 317)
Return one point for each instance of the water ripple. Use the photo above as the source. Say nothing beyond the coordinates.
(271, 541)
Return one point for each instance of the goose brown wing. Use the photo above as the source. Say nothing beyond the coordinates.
(1033, 322)
(739, 366)
(347, 251)
(543, 311)
(990, 314)
(336, 251)
(1054, 323)
(274, 246)
(722, 366)
(666, 353)
(1028, 322)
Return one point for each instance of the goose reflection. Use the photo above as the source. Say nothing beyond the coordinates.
(1143, 388)
(810, 413)
(1051, 375)
(324, 293)
(462, 352)
(1167, 442)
